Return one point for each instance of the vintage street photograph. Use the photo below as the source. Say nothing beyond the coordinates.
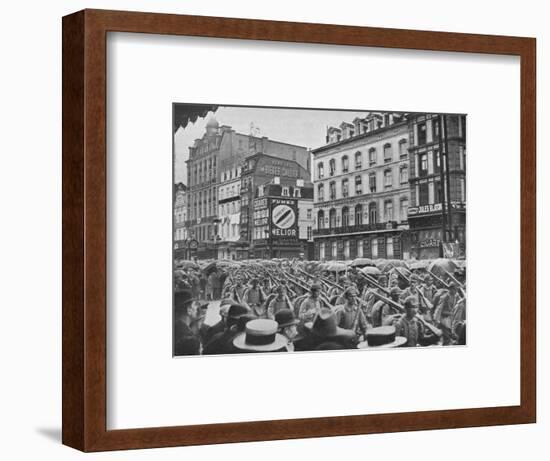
(298, 229)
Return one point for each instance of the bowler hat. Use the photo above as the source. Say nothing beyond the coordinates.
(285, 318)
(382, 337)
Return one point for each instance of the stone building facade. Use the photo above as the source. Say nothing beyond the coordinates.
(361, 189)
(437, 215)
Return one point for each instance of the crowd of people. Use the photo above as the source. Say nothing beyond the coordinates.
(289, 305)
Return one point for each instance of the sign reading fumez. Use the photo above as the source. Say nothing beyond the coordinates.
(284, 218)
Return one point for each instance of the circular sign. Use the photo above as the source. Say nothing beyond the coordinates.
(283, 216)
(193, 244)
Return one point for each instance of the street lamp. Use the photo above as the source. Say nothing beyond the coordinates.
(217, 238)
(268, 238)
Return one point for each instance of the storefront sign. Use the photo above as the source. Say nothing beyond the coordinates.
(429, 243)
(279, 168)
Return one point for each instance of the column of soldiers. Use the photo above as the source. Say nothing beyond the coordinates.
(288, 308)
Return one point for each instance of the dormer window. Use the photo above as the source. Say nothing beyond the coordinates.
(297, 193)
(285, 192)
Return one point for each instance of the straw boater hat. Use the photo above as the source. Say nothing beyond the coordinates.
(382, 338)
(260, 335)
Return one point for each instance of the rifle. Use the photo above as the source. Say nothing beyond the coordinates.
(374, 282)
(439, 279)
(460, 285)
(390, 302)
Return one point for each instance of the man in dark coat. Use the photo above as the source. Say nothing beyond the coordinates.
(222, 343)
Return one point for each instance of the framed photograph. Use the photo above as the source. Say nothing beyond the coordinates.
(280, 230)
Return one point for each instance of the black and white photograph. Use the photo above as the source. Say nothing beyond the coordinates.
(308, 229)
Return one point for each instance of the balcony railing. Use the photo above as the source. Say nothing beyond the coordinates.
(356, 228)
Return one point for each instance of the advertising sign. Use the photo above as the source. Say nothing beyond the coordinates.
(284, 219)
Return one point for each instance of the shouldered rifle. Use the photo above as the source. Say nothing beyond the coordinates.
(399, 307)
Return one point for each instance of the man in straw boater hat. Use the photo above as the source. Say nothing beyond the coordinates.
(260, 335)
(382, 338)
(222, 343)
(325, 329)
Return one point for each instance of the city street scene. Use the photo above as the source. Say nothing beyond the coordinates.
(313, 229)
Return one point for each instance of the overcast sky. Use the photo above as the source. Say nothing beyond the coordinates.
(294, 126)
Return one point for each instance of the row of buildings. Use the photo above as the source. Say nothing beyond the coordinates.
(389, 185)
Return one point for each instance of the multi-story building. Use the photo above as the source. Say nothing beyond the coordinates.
(258, 170)
(282, 219)
(437, 215)
(180, 218)
(202, 189)
(361, 189)
(214, 168)
(229, 214)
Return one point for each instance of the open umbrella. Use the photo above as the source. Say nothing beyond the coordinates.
(419, 265)
(371, 270)
(186, 264)
(336, 267)
(362, 262)
(442, 266)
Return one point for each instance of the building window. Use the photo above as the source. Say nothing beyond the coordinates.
(387, 152)
(320, 170)
(389, 247)
(421, 133)
(402, 148)
(332, 218)
(403, 174)
(374, 247)
(358, 185)
(334, 250)
(332, 190)
(437, 161)
(345, 164)
(285, 192)
(436, 129)
(388, 180)
(372, 182)
(297, 193)
(345, 216)
(261, 191)
(332, 167)
(438, 191)
(360, 249)
(404, 208)
(346, 249)
(309, 232)
(345, 188)
(321, 193)
(388, 210)
(423, 165)
(462, 190)
(372, 156)
(358, 215)
(308, 213)
(373, 213)
(321, 219)
(358, 160)
(423, 195)
(322, 250)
